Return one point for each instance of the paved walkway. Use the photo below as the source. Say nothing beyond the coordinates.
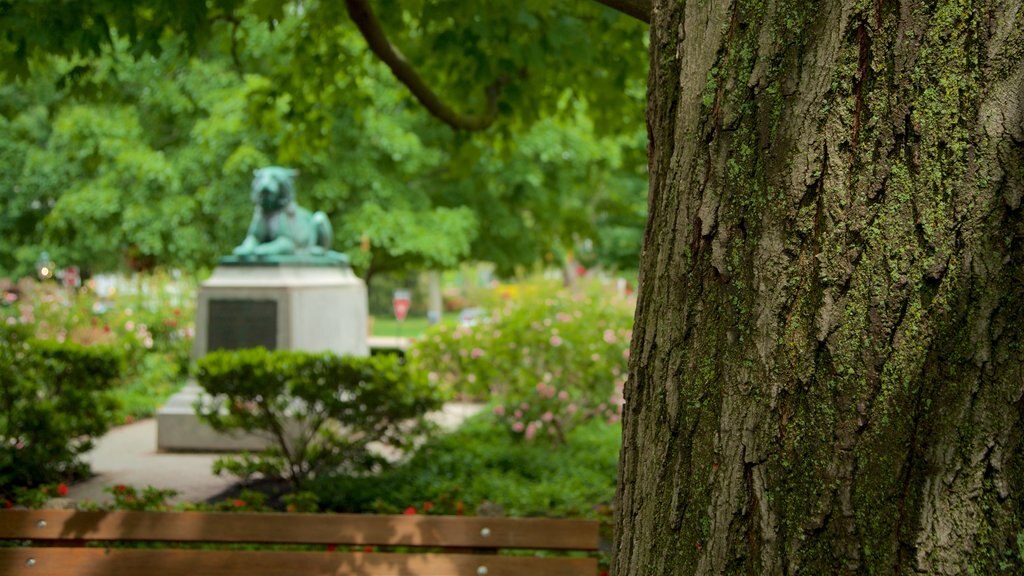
(128, 455)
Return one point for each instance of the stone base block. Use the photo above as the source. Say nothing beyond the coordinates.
(178, 429)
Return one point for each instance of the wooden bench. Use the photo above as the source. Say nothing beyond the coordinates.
(73, 543)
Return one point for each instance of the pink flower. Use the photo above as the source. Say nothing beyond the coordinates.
(517, 427)
(531, 431)
(571, 409)
(548, 416)
(555, 341)
(471, 378)
(476, 353)
(517, 414)
(432, 376)
(609, 336)
(129, 325)
(563, 395)
(499, 410)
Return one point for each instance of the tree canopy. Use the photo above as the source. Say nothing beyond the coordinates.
(130, 132)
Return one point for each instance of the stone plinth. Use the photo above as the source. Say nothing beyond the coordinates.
(283, 307)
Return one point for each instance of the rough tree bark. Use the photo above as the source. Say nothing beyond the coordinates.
(826, 368)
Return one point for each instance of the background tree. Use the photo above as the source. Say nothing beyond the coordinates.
(177, 111)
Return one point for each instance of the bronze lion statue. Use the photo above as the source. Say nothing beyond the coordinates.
(280, 227)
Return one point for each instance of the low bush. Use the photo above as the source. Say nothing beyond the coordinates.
(323, 413)
(54, 399)
(480, 468)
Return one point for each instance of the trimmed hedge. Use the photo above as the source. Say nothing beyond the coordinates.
(53, 401)
(322, 411)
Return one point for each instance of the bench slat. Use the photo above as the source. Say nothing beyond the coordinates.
(123, 562)
(432, 531)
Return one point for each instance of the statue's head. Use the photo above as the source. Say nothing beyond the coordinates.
(273, 188)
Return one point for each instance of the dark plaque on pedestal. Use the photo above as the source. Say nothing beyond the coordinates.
(236, 324)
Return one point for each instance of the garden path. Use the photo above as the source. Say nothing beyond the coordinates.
(128, 455)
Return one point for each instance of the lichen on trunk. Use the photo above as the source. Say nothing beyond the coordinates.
(826, 368)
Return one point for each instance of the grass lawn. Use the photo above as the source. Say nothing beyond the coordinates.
(411, 327)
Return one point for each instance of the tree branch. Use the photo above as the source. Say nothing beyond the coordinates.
(369, 26)
(639, 9)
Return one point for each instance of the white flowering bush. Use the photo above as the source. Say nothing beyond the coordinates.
(548, 358)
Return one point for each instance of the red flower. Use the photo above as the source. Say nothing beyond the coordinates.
(62, 489)
(410, 511)
(369, 549)
(332, 547)
(460, 508)
(120, 488)
(290, 508)
(238, 503)
(8, 503)
(428, 506)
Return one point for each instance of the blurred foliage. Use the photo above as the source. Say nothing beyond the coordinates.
(130, 144)
(480, 469)
(551, 357)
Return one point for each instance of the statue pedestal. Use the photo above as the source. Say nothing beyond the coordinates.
(279, 307)
(313, 308)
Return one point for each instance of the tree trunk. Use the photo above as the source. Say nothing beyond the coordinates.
(826, 368)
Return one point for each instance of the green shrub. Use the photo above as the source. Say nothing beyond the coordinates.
(53, 401)
(152, 328)
(553, 357)
(481, 468)
(323, 412)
